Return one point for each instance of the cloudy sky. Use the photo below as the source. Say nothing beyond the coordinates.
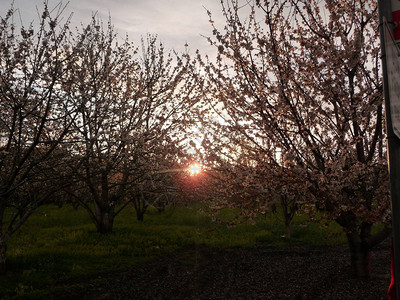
(176, 22)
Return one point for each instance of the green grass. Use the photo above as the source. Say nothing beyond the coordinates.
(60, 247)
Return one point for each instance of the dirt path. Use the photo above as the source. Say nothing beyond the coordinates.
(256, 273)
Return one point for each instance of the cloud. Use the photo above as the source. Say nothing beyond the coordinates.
(176, 22)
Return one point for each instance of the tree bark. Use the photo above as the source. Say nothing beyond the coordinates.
(140, 215)
(289, 208)
(140, 206)
(104, 219)
(3, 250)
(104, 210)
(360, 255)
(287, 230)
(361, 242)
(105, 223)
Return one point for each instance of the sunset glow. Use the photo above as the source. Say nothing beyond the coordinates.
(194, 169)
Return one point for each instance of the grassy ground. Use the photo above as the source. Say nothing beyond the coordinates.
(59, 247)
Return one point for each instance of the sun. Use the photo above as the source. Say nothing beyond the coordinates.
(194, 169)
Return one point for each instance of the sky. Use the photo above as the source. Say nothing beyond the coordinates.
(176, 22)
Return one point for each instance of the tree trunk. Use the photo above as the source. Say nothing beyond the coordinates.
(104, 210)
(140, 215)
(287, 231)
(105, 223)
(140, 206)
(361, 243)
(3, 250)
(104, 219)
(360, 255)
(289, 208)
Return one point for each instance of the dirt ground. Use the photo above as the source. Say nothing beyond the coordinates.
(256, 273)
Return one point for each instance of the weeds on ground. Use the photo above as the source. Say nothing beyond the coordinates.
(60, 247)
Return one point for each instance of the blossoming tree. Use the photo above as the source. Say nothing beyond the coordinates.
(299, 82)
